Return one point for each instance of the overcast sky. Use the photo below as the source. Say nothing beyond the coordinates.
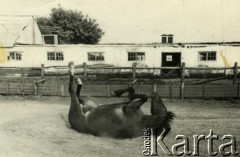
(143, 21)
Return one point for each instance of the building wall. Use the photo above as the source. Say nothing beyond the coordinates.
(226, 56)
(117, 55)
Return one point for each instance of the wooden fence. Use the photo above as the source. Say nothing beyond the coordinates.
(166, 91)
(88, 70)
(171, 91)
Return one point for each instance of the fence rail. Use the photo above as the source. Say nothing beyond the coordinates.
(165, 91)
(179, 91)
(86, 70)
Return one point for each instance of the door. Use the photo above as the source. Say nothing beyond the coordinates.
(171, 59)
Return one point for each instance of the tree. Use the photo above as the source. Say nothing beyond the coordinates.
(73, 26)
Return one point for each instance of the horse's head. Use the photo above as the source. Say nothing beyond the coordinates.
(158, 105)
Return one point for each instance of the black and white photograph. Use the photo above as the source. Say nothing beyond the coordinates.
(111, 78)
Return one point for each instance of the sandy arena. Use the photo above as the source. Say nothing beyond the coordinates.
(38, 127)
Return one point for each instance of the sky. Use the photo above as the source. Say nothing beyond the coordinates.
(144, 21)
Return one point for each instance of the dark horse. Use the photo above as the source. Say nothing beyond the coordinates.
(117, 120)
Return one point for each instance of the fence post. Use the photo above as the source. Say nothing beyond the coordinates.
(35, 88)
(42, 70)
(182, 80)
(48, 90)
(62, 90)
(170, 92)
(23, 83)
(7, 88)
(56, 89)
(235, 73)
(84, 70)
(238, 91)
(134, 66)
(108, 90)
(204, 92)
(22, 72)
(154, 87)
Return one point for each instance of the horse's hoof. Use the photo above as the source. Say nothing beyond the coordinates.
(133, 82)
(79, 81)
(115, 94)
(112, 93)
(71, 64)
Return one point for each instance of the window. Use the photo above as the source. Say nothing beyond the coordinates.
(170, 39)
(55, 56)
(50, 39)
(95, 56)
(59, 56)
(207, 56)
(136, 56)
(167, 38)
(15, 55)
(164, 39)
(51, 56)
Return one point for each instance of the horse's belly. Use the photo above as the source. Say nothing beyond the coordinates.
(113, 125)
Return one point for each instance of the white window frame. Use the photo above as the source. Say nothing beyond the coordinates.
(15, 56)
(96, 56)
(208, 56)
(136, 56)
(55, 56)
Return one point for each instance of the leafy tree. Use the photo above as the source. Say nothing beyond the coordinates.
(74, 27)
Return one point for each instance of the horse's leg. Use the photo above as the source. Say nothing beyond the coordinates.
(134, 104)
(74, 99)
(160, 119)
(120, 92)
(160, 116)
(79, 87)
(129, 90)
(78, 91)
(76, 116)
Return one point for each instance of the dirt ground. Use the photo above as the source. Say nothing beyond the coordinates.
(38, 127)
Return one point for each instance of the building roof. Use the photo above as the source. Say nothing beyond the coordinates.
(47, 30)
(11, 28)
(167, 35)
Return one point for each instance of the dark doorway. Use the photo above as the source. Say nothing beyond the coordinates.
(171, 59)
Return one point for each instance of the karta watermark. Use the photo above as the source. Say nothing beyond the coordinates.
(154, 142)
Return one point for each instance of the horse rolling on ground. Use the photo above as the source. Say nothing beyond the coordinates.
(117, 120)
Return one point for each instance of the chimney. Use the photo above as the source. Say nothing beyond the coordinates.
(167, 38)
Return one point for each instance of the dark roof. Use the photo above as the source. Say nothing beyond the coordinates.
(167, 35)
(46, 30)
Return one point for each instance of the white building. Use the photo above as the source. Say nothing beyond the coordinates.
(23, 45)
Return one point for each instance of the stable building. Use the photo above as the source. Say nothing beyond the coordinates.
(24, 44)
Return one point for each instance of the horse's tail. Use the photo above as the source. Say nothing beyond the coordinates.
(167, 123)
(169, 118)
